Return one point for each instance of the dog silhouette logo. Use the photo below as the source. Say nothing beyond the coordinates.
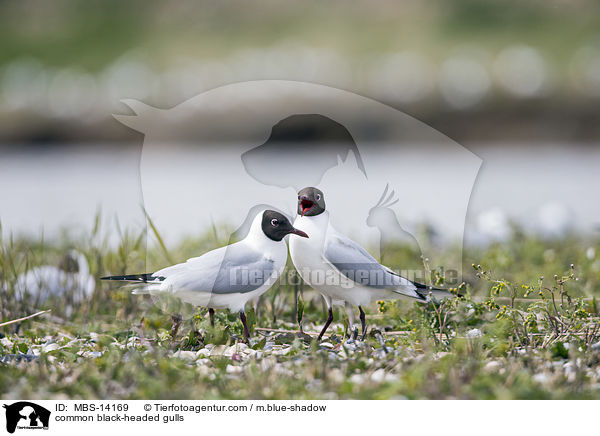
(26, 415)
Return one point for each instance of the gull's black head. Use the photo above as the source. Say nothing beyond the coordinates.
(69, 263)
(311, 202)
(276, 226)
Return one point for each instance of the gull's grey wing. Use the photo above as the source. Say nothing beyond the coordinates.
(232, 269)
(242, 271)
(354, 262)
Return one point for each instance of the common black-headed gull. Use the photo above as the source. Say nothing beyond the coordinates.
(230, 276)
(71, 280)
(339, 268)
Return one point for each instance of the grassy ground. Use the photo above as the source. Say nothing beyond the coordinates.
(525, 327)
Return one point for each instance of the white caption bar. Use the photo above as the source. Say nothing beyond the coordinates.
(302, 417)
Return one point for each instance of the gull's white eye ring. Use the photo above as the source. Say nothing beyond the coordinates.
(318, 197)
(274, 222)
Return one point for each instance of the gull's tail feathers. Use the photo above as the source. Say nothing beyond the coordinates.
(153, 283)
(429, 292)
(411, 293)
(136, 278)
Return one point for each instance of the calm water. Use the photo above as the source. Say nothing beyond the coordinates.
(186, 190)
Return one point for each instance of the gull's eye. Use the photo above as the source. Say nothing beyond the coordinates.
(274, 222)
(318, 197)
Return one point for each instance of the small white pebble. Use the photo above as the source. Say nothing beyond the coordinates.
(232, 369)
(541, 377)
(218, 350)
(204, 352)
(378, 376)
(492, 366)
(188, 355)
(357, 378)
(49, 347)
(230, 351)
(281, 351)
(474, 333)
(92, 354)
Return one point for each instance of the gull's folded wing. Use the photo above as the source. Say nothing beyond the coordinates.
(232, 269)
(354, 262)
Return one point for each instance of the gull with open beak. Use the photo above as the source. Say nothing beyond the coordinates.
(340, 269)
(230, 276)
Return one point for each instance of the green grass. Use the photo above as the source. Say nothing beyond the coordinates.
(513, 334)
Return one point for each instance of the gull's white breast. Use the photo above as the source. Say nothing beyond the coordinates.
(308, 258)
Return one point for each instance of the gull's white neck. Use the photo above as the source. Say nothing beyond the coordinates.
(321, 219)
(315, 226)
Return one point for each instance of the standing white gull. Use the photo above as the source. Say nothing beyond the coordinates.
(339, 268)
(227, 277)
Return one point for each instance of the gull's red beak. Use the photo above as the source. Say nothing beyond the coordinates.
(299, 233)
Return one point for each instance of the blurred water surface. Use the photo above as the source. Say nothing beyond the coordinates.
(546, 189)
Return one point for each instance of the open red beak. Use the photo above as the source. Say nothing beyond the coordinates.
(299, 233)
(305, 204)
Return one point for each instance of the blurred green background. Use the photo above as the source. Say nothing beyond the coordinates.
(499, 69)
